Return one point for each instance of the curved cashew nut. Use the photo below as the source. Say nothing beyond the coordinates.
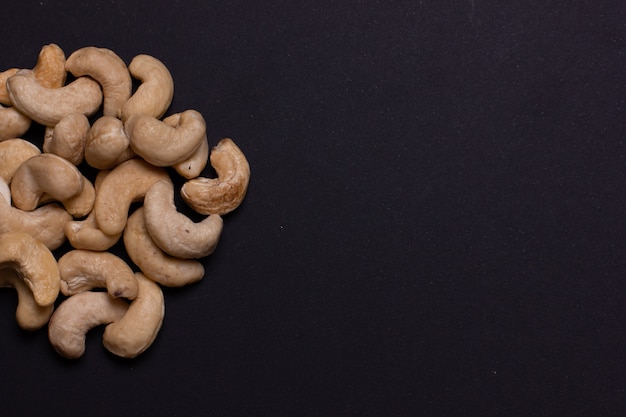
(29, 314)
(13, 123)
(154, 95)
(107, 145)
(4, 76)
(106, 67)
(225, 193)
(34, 263)
(48, 106)
(136, 331)
(153, 262)
(125, 184)
(165, 144)
(67, 138)
(175, 233)
(50, 68)
(45, 224)
(78, 314)
(82, 270)
(195, 164)
(13, 152)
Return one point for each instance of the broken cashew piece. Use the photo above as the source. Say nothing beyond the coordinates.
(125, 184)
(107, 145)
(153, 262)
(165, 144)
(136, 331)
(67, 138)
(12, 153)
(83, 270)
(34, 263)
(78, 314)
(50, 68)
(225, 193)
(48, 106)
(13, 123)
(106, 67)
(175, 233)
(154, 95)
(28, 314)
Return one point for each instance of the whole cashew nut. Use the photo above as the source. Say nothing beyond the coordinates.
(34, 263)
(28, 314)
(175, 233)
(225, 193)
(48, 106)
(136, 331)
(154, 95)
(125, 184)
(67, 138)
(153, 262)
(13, 152)
(13, 123)
(78, 314)
(107, 145)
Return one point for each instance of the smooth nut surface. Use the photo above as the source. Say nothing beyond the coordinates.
(12, 153)
(154, 95)
(28, 314)
(13, 123)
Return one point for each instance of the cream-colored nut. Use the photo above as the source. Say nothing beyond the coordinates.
(68, 138)
(153, 262)
(106, 67)
(29, 314)
(4, 76)
(5, 191)
(34, 263)
(13, 123)
(83, 270)
(175, 233)
(107, 145)
(45, 175)
(48, 106)
(45, 223)
(225, 193)
(195, 164)
(163, 144)
(13, 152)
(154, 95)
(125, 184)
(50, 68)
(136, 331)
(78, 314)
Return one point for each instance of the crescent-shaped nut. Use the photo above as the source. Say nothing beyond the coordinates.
(153, 262)
(34, 263)
(50, 68)
(28, 314)
(45, 174)
(106, 67)
(135, 332)
(78, 314)
(13, 152)
(83, 270)
(175, 233)
(165, 144)
(68, 138)
(154, 95)
(4, 76)
(13, 123)
(225, 193)
(107, 145)
(48, 106)
(125, 184)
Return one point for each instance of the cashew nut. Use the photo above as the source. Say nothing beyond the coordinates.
(48, 106)
(153, 262)
(50, 68)
(107, 145)
(154, 95)
(4, 76)
(125, 184)
(193, 166)
(13, 123)
(34, 263)
(12, 153)
(29, 314)
(5, 191)
(82, 270)
(175, 233)
(78, 314)
(45, 223)
(136, 331)
(67, 138)
(165, 144)
(225, 193)
(106, 67)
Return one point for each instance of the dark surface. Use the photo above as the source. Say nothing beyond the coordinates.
(434, 224)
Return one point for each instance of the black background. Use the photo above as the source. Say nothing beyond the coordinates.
(434, 224)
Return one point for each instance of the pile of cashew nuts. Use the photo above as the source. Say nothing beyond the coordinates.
(94, 117)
